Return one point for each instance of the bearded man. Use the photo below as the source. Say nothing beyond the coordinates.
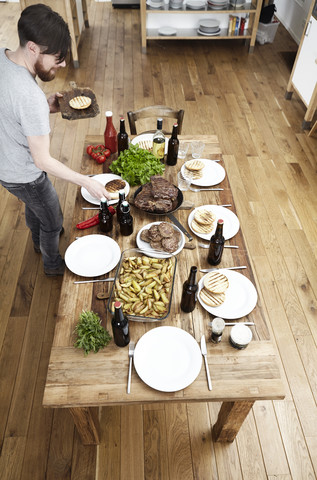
(25, 158)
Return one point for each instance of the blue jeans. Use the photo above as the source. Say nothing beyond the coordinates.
(43, 216)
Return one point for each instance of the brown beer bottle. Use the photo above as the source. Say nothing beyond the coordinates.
(217, 242)
(105, 217)
(173, 145)
(125, 219)
(123, 139)
(190, 288)
(121, 199)
(120, 326)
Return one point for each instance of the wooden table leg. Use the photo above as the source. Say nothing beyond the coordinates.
(230, 418)
(87, 424)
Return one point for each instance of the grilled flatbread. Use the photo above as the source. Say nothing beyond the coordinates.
(199, 228)
(212, 299)
(216, 282)
(79, 103)
(194, 165)
(193, 174)
(204, 216)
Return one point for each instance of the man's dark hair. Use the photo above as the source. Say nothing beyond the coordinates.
(41, 25)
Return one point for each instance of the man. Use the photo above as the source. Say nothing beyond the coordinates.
(25, 156)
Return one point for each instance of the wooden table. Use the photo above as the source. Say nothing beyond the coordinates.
(239, 377)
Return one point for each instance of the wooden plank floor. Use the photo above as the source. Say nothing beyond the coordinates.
(272, 167)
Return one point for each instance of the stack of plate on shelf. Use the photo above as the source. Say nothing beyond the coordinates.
(217, 4)
(237, 3)
(208, 27)
(155, 3)
(196, 4)
(176, 4)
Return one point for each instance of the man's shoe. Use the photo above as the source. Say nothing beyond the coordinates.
(53, 272)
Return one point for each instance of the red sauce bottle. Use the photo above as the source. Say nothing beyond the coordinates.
(111, 140)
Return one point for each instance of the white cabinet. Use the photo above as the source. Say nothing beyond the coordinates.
(186, 21)
(303, 78)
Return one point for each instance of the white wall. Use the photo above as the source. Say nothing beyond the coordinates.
(293, 14)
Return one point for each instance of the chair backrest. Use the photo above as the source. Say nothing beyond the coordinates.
(155, 111)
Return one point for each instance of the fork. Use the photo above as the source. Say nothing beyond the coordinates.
(206, 245)
(204, 189)
(131, 353)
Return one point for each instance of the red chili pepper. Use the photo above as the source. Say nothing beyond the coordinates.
(88, 223)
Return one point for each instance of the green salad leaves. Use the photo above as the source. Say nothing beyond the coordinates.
(91, 336)
(136, 165)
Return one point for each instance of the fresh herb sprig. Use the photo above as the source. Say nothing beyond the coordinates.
(91, 335)
(137, 165)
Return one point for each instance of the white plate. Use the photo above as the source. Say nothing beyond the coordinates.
(213, 173)
(103, 178)
(208, 34)
(167, 31)
(145, 137)
(241, 296)
(231, 222)
(167, 359)
(147, 248)
(92, 255)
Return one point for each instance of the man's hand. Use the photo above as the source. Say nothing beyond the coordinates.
(96, 189)
(53, 102)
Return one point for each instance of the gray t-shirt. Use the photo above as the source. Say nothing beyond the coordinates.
(24, 112)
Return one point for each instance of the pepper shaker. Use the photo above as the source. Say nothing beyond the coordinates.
(217, 328)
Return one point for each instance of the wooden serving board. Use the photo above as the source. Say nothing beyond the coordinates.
(71, 113)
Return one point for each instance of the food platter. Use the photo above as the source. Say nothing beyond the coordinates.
(92, 255)
(213, 173)
(103, 178)
(173, 368)
(147, 137)
(241, 296)
(231, 222)
(145, 246)
(178, 203)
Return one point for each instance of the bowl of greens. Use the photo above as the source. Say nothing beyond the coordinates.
(136, 165)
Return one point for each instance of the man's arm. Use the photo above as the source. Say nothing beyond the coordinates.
(40, 151)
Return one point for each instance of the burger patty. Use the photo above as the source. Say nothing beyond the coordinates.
(166, 229)
(115, 185)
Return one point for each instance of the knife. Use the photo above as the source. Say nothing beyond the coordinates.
(131, 353)
(180, 226)
(205, 270)
(110, 279)
(203, 348)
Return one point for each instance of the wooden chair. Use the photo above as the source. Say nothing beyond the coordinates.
(155, 111)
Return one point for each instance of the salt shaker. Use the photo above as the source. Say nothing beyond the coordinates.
(240, 336)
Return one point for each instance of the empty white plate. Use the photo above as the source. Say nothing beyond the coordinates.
(167, 358)
(167, 31)
(92, 255)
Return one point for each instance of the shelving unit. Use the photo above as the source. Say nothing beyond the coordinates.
(75, 14)
(154, 18)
